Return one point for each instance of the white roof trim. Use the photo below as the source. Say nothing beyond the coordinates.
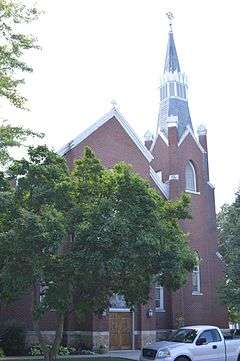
(184, 136)
(211, 185)
(164, 187)
(162, 135)
(113, 113)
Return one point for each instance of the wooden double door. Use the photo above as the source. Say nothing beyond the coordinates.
(120, 330)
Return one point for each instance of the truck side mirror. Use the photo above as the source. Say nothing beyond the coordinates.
(201, 341)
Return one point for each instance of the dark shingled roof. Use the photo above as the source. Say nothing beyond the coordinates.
(177, 107)
(171, 61)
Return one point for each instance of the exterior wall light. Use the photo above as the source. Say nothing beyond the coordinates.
(150, 312)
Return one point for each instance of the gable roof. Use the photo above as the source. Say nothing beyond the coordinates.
(162, 136)
(114, 113)
(184, 136)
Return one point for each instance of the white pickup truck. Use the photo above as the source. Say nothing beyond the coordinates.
(193, 343)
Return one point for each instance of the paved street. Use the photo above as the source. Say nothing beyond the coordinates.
(132, 355)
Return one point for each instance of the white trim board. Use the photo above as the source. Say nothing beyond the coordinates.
(164, 187)
(161, 135)
(118, 116)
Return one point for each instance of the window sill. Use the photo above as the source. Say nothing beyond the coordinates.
(160, 310)
(197, 293)
(192, 192)
(119, 310)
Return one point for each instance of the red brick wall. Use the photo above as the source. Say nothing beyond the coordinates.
(112, 144)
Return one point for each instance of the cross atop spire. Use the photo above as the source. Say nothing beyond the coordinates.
(170, 17)
(171, 60)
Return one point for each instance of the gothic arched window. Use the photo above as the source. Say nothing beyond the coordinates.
(190, 177)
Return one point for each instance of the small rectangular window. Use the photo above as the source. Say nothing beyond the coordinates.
(159, 298)
(196, 284)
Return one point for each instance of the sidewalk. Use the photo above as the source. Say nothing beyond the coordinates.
(128, 354)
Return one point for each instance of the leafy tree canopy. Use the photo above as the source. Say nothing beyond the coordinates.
(14, 44)
(229, 238)
(85, 235)
(12, 137)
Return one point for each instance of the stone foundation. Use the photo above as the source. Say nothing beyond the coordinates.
(146, 337)
(93, 340)
(83, 339)
(31, 338)
(100, 339)
(78, 339)
(162, 335)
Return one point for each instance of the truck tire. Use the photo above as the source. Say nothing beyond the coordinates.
(183, 358)
(238, 358)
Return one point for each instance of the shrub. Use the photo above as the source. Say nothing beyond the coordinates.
(2, 354)
(101, 349)
(63, 351)
(86, 352)
(13, 337)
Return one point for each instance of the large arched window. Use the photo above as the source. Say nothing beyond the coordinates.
(190, 177)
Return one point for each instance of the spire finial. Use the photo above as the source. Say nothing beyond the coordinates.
(170, 17)
(114, 103)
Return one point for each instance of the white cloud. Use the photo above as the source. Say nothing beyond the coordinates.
(94, 51)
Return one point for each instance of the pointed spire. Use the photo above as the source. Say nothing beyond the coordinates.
(171, 61)
(173, 90)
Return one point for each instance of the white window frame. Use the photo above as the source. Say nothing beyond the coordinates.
(196, 273)
(161, 299)
(189, 163)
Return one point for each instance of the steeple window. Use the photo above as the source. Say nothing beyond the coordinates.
(171, 88)
(178, 90)
(190, 177)
(184, 92)
(181, 91)
(163, 92)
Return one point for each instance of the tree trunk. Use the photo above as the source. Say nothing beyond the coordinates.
(58, 337)
(42, 342)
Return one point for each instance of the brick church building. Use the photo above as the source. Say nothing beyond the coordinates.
(174, 160)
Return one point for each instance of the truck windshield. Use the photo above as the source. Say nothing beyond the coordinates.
(185, 335)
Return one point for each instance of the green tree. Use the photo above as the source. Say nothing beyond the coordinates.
(85, 235)
(229, 241)
(14, 44)
(12, 137)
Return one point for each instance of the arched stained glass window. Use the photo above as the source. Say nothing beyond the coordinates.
(190, 177)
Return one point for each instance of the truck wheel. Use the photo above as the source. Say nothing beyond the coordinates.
(183, 358)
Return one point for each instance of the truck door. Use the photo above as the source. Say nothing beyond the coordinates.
(212, 349)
